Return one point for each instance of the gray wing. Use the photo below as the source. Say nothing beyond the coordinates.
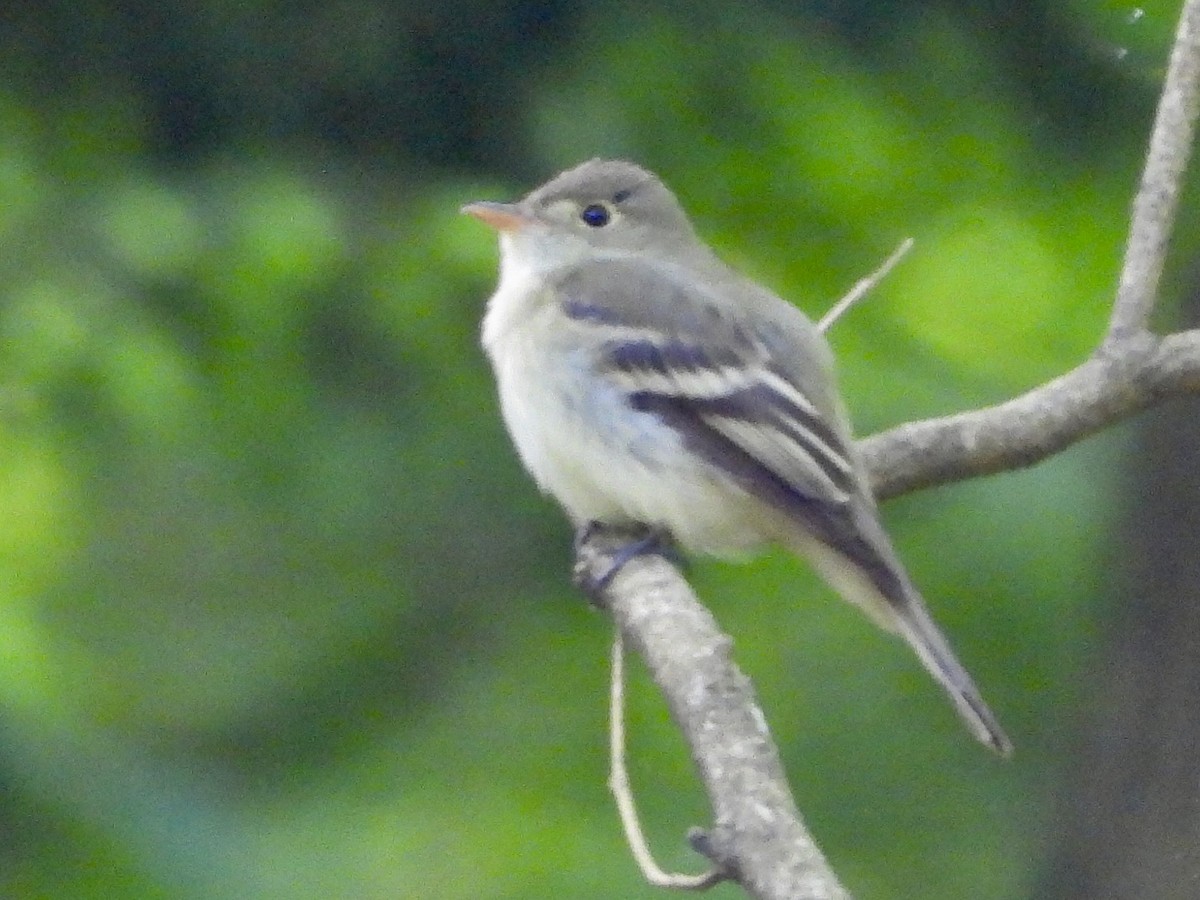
(747, 385)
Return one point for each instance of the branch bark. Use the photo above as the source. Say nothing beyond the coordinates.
(1121, 378)
(758, 837)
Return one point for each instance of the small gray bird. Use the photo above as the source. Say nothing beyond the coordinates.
(644, 382)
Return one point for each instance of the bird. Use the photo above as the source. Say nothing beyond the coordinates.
(644, 382)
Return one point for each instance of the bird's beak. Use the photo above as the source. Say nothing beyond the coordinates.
(501, 216)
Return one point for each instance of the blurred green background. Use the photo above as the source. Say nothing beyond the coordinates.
(280, 615)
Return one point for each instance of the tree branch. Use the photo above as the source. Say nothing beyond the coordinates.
(1116, 382)
(1162, 182)
(758, 838)
(1129, 371)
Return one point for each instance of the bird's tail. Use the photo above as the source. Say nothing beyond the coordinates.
(916, 626)
(901, 610)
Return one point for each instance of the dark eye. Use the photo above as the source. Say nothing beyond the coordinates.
(595, 215)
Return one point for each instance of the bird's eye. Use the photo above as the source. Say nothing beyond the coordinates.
(595, 215)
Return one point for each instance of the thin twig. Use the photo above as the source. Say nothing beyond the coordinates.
(867, 284)
(618, 783)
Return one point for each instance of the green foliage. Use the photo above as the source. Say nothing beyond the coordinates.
(281, 617)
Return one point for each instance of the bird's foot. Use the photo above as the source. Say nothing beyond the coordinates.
(601, 551)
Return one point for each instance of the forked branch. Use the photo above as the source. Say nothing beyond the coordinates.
(757, 837)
